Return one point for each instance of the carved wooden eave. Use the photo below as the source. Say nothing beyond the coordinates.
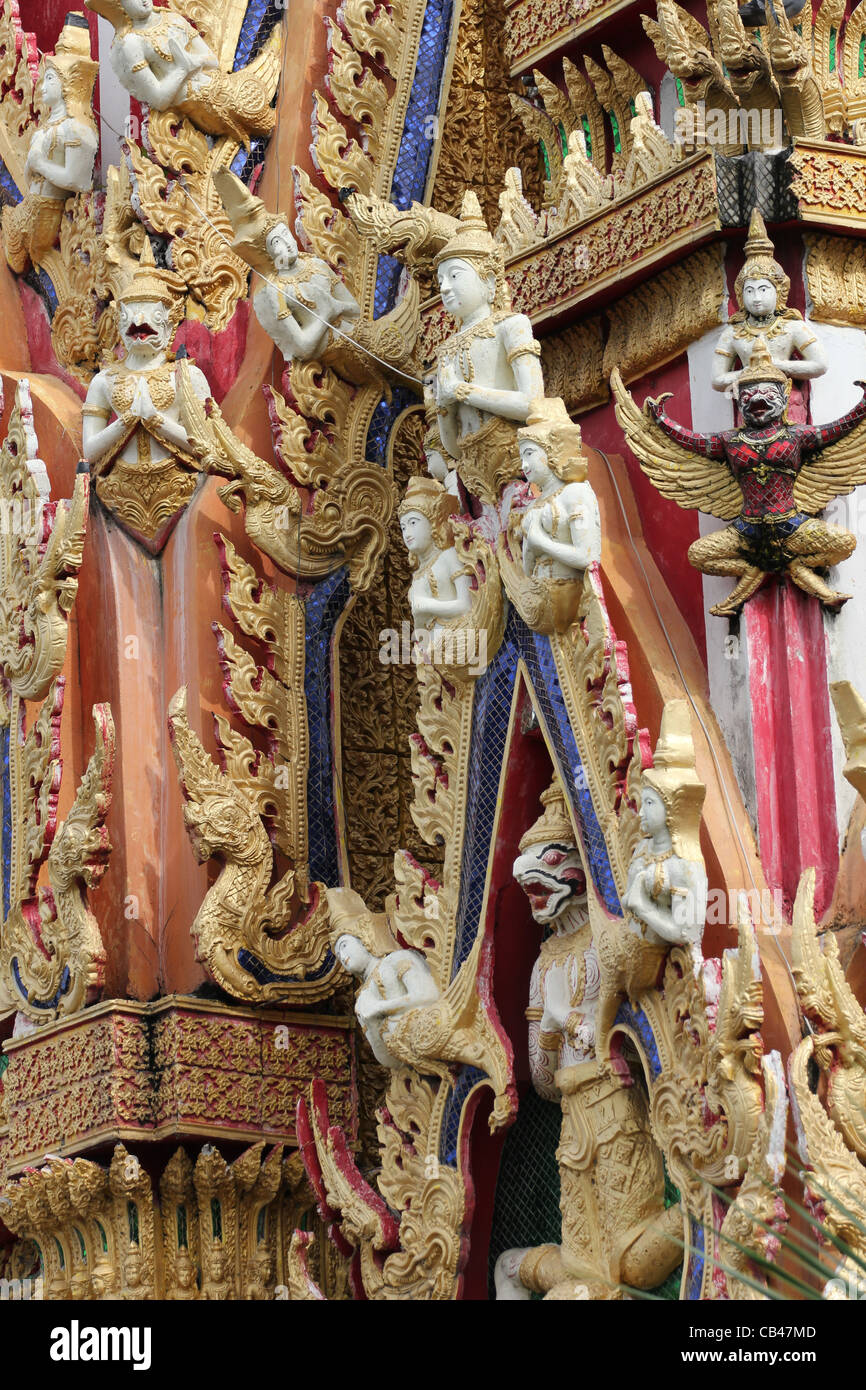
(537, 28)
(175, 1068)
(830, 184)
(615, 246)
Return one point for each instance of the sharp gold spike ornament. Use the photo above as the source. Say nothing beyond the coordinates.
(51, 953)
(768, 477)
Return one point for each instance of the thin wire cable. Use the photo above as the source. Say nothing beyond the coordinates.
(710, 744)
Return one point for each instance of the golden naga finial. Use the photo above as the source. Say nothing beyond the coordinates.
(673, 775)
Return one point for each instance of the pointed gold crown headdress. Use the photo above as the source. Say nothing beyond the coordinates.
(151, 283)
(674, 776)
(251, 222)
(351, 917)
(473, 242)
(73, 64)
(549, 426)
(553, 826)
(112, 10)
(760, 263)
(762, 368)
(428, 496)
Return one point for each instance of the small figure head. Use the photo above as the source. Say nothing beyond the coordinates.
(463, 289)
(557, 445)
(471, 265)
(68, 74)
(281, 246)
(425, 513)
(653, 815)
(763, 388)
(137, 9)
(150, 306)
(533, 460)
(184, 1272)
(417, 533)
(549, 868)
(352, 954)
(672, 794)
(761, 265)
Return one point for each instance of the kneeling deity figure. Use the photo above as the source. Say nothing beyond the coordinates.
(143, 461)
(767, 477)
(300, 298)
(441, 587)
(392, 981)
(614, 1222)
(164, 62)
(561, 527)
(489, 372)
(762, 289)
(61, 152)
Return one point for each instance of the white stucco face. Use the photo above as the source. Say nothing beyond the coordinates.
(417, 532)
(533, 459)
(462, 288)
(352, 954)
(759, 298)
(282, 247)
(653, 816)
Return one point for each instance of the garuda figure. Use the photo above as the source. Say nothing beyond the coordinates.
(770, 479)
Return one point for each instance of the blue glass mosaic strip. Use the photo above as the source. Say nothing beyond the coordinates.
(323, 608)
(696, 1260)
(542, 670)
(48, 290)
(245, 161)
(265, 976)
(632, 1017)
(261, 18)
(466, 1080)
(10, 193)
(382, 422)
(490, 715)
(416, 144)
(7, 820)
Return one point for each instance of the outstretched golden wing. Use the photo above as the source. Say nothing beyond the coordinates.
(831, 473)
(688, 479)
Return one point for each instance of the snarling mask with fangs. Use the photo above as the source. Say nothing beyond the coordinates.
(144, 324)
(552, 877)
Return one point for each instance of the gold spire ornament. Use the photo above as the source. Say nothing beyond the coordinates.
(554, 824)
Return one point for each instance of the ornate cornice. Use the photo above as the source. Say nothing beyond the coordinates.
(177, 1067)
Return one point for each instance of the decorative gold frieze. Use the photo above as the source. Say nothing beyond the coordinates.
(205, 1229)
(829, 183)
(836, 279)
(624, 240)
(148, 1072)
(658, 320)
(573, 363)
(536, 28)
